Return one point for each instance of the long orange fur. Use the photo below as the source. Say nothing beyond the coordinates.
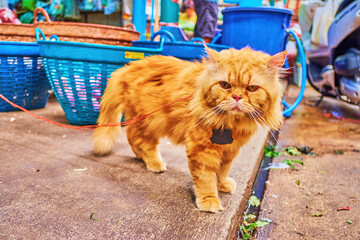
(142, 86)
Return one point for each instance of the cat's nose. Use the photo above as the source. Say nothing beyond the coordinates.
(237, 97)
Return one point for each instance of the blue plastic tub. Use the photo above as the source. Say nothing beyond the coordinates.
(261, 28)
(22, 76)
(184, 50)
(78, 73)
(245, 3)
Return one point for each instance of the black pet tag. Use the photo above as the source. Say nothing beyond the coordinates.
(222, 136)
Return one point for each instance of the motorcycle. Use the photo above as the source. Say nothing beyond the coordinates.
(334, 71)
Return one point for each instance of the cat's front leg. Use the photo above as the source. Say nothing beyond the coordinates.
(225, 183)
(203, 167)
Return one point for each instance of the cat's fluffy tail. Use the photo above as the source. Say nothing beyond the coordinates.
(111, 112)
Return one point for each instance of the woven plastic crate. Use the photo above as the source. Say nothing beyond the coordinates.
(78, 73)
(22, 76)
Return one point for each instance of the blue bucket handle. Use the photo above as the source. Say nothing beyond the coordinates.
(55, 37)
(38, 32)
(197, 39)
(289, 109)
(216, 38)
(163, 33)
(161, 45)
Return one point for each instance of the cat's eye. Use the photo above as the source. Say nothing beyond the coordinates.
(252, 88)
(225, 85)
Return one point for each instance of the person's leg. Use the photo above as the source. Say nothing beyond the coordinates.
(206, 12)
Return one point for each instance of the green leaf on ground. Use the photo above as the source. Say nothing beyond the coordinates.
(298, 182)
(92, 217)
(258, 224)
(270, 151)
(247, 231)
(349, 221)
(254, 201)
(338, 152)
(292, 151)
(291, 161)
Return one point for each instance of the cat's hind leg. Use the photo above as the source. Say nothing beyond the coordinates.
(145, 147)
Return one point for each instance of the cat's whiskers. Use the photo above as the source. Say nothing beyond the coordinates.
(215, 116)
(260, 117)
(202, 118)
(208, 114)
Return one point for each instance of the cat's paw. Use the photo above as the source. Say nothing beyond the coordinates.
(156, 167)
(228, 185)
(209, 204)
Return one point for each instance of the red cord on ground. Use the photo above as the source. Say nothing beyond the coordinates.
(330, 115)
(90, 127)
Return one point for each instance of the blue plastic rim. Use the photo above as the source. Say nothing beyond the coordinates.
(78, 73)
(189, 51)
(261, 28)
(22, 76)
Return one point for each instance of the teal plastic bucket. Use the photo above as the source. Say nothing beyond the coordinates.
(261, 28)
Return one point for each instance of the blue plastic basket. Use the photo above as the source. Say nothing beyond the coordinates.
(261, 28)
(78, 73)
(22, 76)
(184, 50)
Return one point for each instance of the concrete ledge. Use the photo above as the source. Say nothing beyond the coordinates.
(50, 183)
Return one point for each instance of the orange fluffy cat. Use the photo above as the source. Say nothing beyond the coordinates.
(233, 91)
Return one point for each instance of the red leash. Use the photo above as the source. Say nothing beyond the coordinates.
(91, 127)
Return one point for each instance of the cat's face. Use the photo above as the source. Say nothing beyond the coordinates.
(244, 83)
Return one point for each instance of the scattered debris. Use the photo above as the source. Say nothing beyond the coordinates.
(249, 218)
(152, 196)
(306, 150)
(277, 166)
(355, 198)
(92, 217)
(300, 233)
(291, 161)
(80, 169)
(266, 220)
(292, 151)
(64, 136)
(316, 214)
(323, 172)
(338, 152)
(254, 201)
(343, 209)
(12, 119)
(35, 170)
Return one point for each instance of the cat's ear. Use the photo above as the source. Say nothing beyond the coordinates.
(212, 54)
(276, 61)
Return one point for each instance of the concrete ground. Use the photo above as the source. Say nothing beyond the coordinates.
(53, 187)
(303, 204)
